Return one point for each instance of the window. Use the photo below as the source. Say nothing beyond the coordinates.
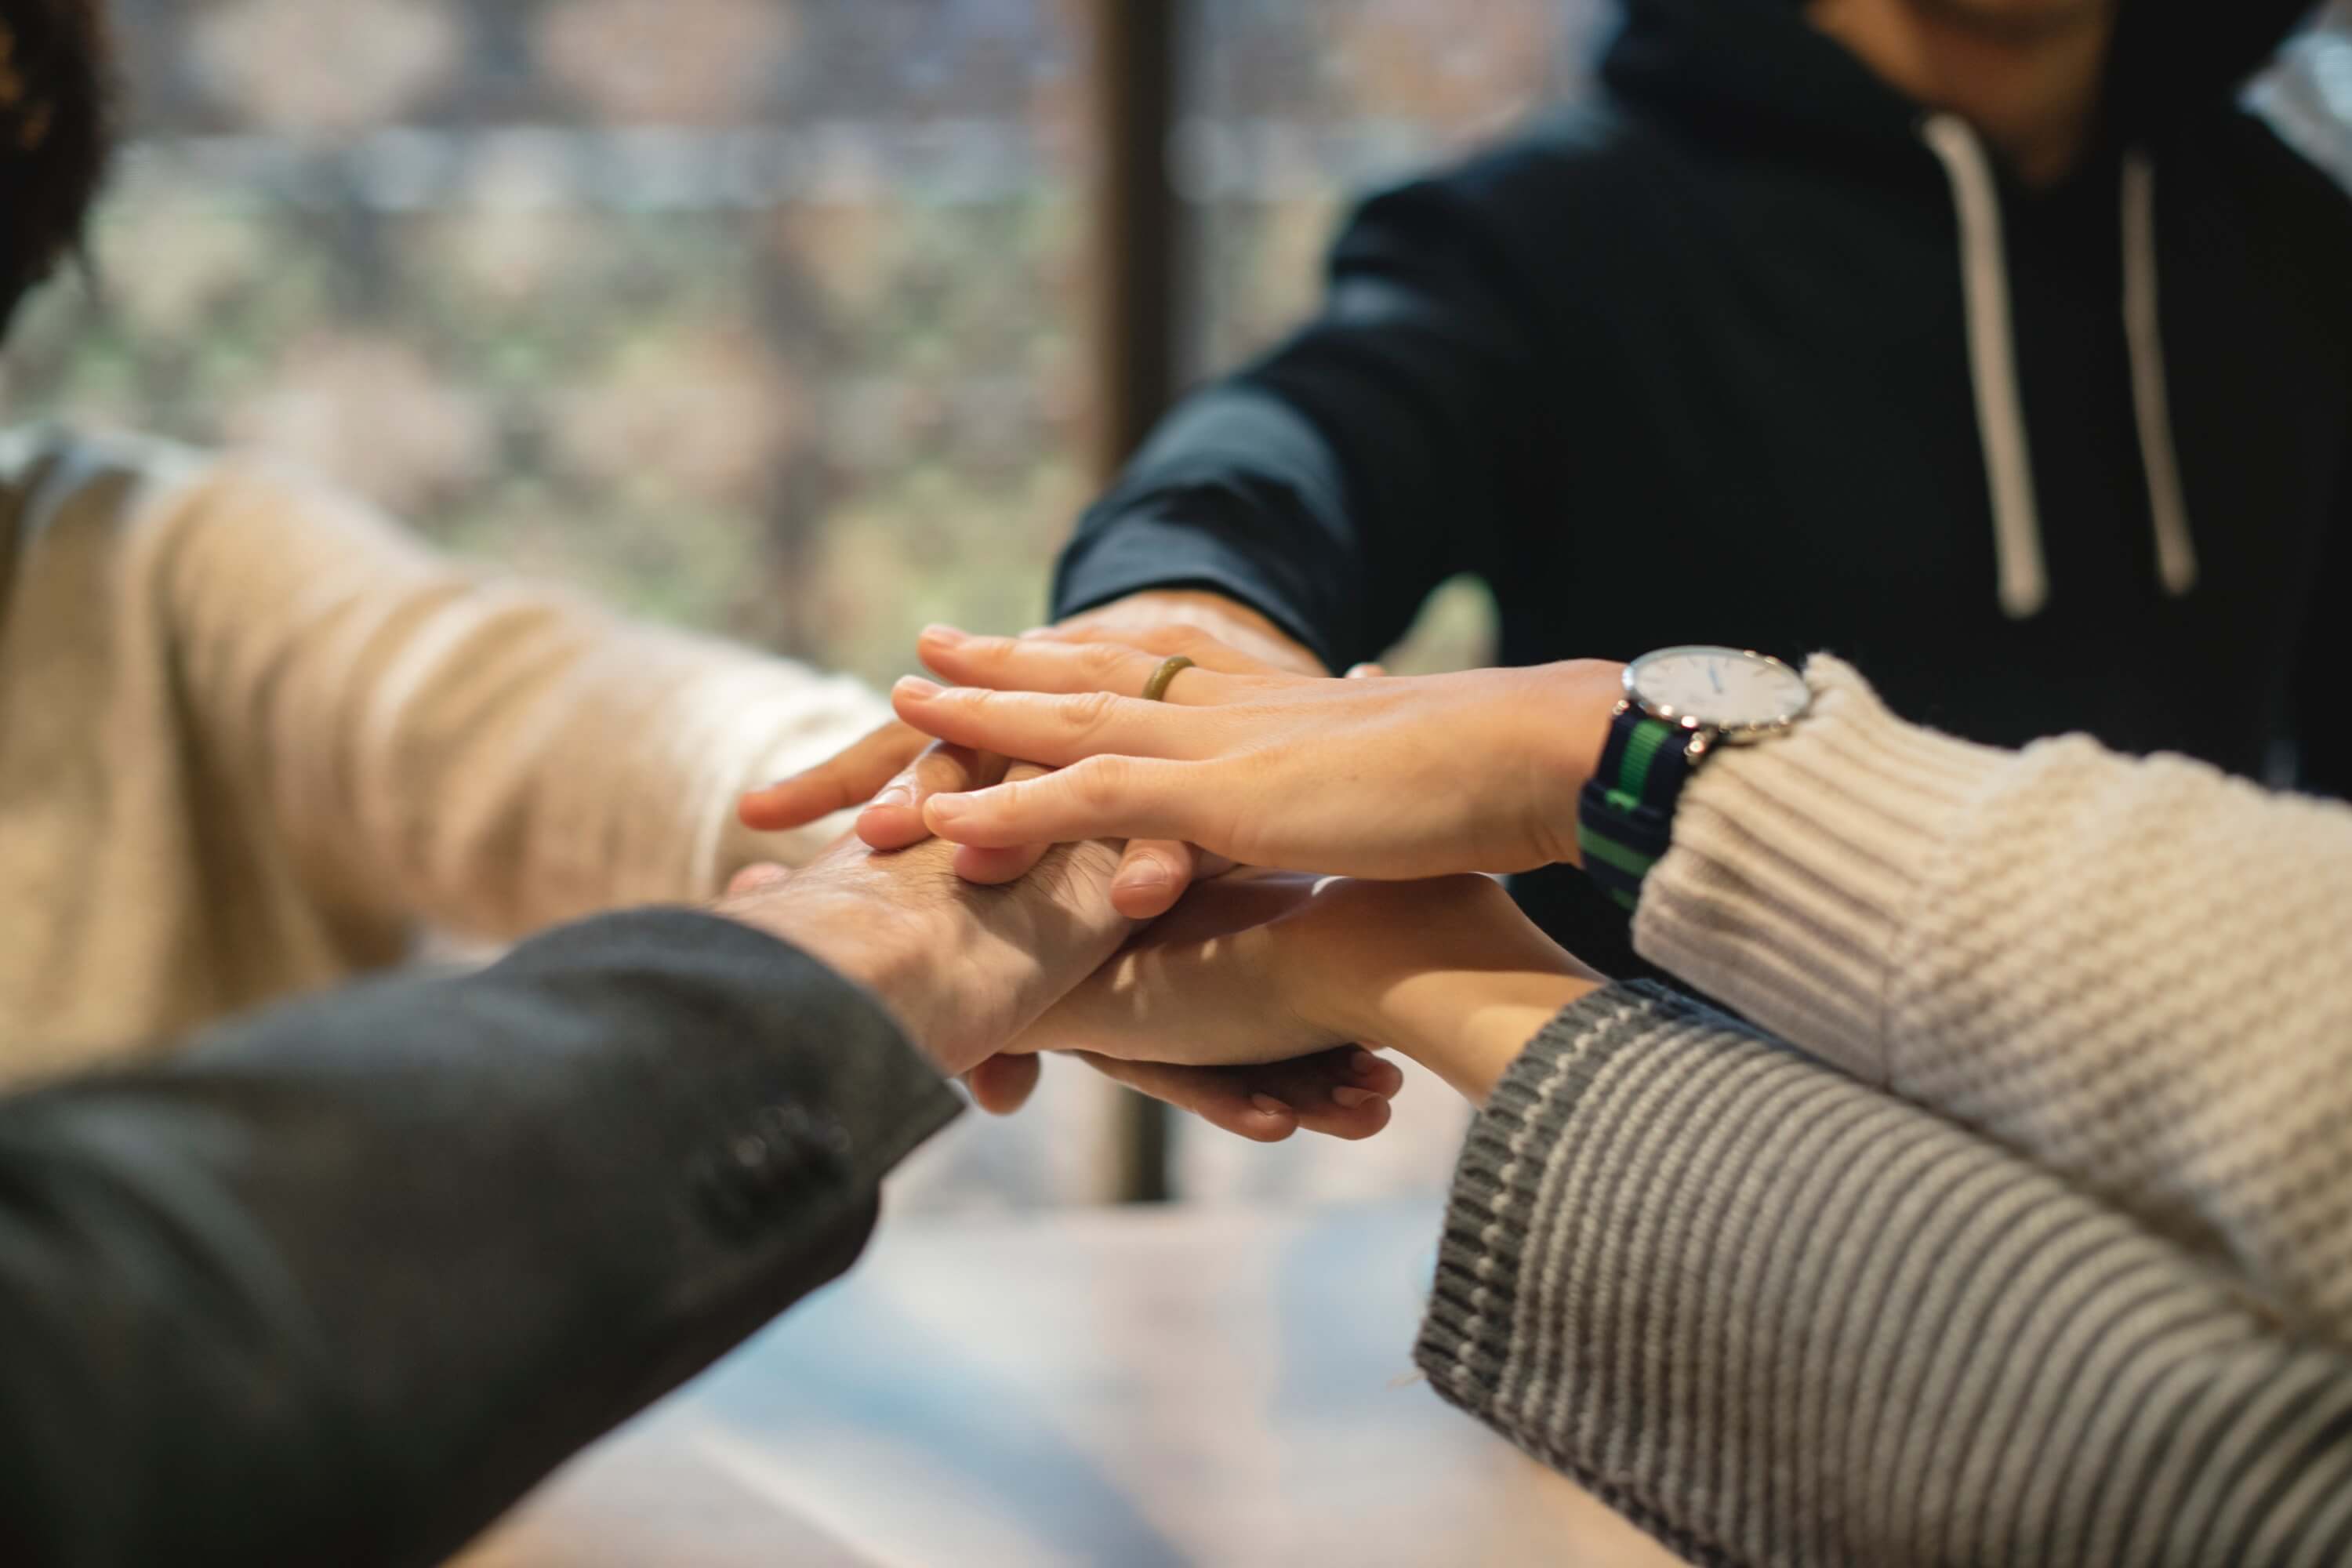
(761, 315)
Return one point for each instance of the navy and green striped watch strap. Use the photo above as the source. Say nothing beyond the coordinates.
(1626, 813)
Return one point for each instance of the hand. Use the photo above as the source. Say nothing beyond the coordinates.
(955, 967)
(1337, 1093)
(1393, 778)
(962, 968)
(1255, 967)
(896, 770)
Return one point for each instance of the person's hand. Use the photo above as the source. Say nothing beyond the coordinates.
(1395, 777)
(896, 770)
(963, 968)
(1337, 1093)
(1265, 966)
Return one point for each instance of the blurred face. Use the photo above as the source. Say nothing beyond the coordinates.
(2017, 21)
(54, 65)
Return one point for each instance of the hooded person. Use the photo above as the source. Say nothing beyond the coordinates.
(1755, 348)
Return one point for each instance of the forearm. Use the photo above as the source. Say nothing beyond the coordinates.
(1336, 481)
(1766, 1312)
(1446, 971)
(1228, 620)
(2132, 971)
(492, 756)
(1236, 496)
(1469, 1026)
(385, 1259)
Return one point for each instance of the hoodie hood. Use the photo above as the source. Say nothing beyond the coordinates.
(1758, 70)
(1757, 65)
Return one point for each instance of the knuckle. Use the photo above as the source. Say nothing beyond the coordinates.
(1176, 637)
(1102, 661)
(1099, 783)
(1086, 712)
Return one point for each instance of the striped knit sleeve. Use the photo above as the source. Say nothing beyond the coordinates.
(1777, 1317)
(2137, 972)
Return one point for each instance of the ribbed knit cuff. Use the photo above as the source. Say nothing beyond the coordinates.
(1798, 867)
(1466, 1340)
(1487, 1321)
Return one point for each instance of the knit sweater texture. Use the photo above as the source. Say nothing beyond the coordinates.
(253, 737)
(2136, 973)
(1779, 1317)
(2028, 1242)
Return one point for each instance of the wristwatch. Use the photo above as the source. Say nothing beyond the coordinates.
(1680, 703)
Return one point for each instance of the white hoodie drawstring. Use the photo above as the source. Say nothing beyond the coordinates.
(1992, 365)
(1992, 368)
(2176, 551)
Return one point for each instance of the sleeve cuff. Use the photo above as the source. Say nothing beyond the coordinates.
(1797, 867)
(1131, 546)
(1497, 1257)
(775, 1027)
(1689, 1270)
(1499, 1179)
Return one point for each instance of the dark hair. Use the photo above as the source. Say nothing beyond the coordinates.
(57, 113)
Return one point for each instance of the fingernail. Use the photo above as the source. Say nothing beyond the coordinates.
(1143, 875)
(1270, 1105)
(897, 794)
(939, 631)
(1363, 1064)
(1349, 1098)
(1038, 632)
(915, 686)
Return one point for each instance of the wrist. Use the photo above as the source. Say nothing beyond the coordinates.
(1566, 733)
(893, 950)
(1468, 1027)
(1447, 972)
(1227, 619)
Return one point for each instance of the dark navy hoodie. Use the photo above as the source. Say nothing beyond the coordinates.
(1751, 349)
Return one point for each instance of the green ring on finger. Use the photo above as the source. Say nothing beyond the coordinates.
(1156, 689)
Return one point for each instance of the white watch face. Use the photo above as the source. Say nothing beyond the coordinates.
(1727, 688)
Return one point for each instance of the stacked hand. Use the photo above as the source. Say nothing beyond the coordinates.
(967, 970)
(1257, 986)
(895, 772)
(1447, 972)
(1395, 778)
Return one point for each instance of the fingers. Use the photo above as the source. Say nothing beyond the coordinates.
(1324, 1093)
(1161, 641)
(1343, 1093)
(1152, 875)
(1056, 731)
(994, 866)
(847, 779)
(1219, 1096)
(1138, 799)
(1021, 664)
(1003, 1085)
(894, 818)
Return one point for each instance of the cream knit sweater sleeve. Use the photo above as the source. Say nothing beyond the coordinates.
(490, 754)
(252, 735)
(2136, 972)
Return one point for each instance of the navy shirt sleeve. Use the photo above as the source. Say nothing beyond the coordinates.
(1334, 484)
